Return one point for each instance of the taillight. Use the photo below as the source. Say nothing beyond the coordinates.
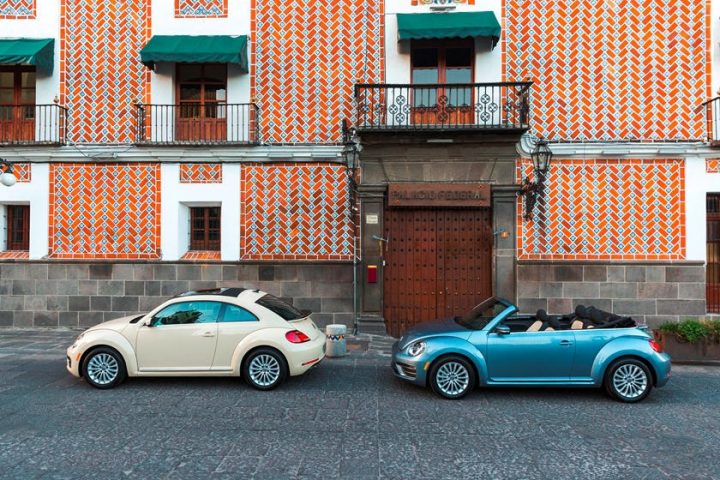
(296, 336)
(655, 346)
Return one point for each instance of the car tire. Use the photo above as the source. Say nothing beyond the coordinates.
(104, 368)
(628, 380)
(452, 377)
(264, 369)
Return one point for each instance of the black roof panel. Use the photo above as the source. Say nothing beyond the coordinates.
(225, 292)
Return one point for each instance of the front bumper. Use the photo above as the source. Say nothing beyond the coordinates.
(408, 368)
(72, 360)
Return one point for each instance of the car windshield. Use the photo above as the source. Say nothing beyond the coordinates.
(480, 316)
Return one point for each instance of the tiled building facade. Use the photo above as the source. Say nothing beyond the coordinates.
(143, 171)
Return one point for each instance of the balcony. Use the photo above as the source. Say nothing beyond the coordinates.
(33, 125)
(443, 107)
(712, 115)
(198, 124)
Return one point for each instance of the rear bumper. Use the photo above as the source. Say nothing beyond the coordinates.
(304, 356)
(662, 366)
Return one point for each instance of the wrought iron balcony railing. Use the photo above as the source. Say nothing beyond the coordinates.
(712, 116)
(198, 124)
(471, 106)
(33, 124)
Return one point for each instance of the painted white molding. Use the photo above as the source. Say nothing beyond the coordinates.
(36, 194)
(175, 213)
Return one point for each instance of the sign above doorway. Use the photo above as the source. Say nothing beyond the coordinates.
(469, 195)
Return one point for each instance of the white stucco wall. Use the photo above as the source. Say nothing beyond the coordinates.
(35, 194)
(175, 216)
(165, 23)
(488, 64)
(45, 25)
(697, 185)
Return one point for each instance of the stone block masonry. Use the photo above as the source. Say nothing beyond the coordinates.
(650, 292)
(55, 294)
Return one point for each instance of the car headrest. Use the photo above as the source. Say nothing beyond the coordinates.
(581, 311)
(541, 315)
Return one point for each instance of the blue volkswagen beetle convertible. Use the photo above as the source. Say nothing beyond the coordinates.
(493, 345)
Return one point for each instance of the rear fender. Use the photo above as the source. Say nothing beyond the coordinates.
(440, 346)
(266, 337)
(635, 346)
(113, 339)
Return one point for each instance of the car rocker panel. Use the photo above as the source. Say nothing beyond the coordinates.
(501, 348)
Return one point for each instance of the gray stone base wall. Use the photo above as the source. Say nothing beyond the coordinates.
(51, 294)
(649, 292)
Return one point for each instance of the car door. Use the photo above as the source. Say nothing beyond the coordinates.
(235, 324)
(530, 357)
(182, 337)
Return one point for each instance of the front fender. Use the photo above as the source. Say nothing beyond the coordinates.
(109, 338)
(621, 347)
(440, 346)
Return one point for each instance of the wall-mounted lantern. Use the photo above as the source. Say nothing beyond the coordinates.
(7, 177)
(541, 157)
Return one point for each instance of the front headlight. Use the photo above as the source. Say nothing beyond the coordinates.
(416, 349)
(77, 340)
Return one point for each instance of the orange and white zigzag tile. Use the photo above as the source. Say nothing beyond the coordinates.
(295, 212)
(307, 57)
(17, 9)
(611, 70)
(101, 77)
(201, 8)
(201, 173)
(606, 210)
(712, 165)
(105, 210)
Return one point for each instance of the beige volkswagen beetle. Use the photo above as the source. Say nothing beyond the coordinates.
(219, 332)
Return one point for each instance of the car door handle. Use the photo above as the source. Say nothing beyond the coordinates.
(205, 334)
(565, 343)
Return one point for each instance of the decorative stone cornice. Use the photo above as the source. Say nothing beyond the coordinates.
(134, 153)
(619, 149)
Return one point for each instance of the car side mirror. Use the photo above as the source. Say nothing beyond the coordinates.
(149, 323)
(502, 330)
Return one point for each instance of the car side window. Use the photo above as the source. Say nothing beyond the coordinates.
(233, 313)
(188, 312)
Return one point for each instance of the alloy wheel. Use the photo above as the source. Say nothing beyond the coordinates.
(102, 368)
(452, 378)
(630, 381)
(264, 370)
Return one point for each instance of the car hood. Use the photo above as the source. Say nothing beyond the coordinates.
(117, 324)
(444, 326)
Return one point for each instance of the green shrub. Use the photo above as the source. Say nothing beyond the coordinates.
(693, 330)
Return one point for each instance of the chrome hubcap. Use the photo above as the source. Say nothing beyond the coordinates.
(264, 370)
(102, 368)
(630, 381)
(452, 378)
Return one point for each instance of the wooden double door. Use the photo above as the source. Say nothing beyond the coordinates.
(438, 263)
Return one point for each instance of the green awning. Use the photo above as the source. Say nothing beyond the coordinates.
(448, 25)
(28, 51)
(196, 49)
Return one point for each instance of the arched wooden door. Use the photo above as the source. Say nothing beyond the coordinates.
(438, 263)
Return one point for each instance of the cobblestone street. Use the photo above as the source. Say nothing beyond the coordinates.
(349, 418)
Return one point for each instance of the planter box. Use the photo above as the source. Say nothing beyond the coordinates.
(682, 351)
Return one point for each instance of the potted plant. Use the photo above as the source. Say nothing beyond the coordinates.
(690, 340)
